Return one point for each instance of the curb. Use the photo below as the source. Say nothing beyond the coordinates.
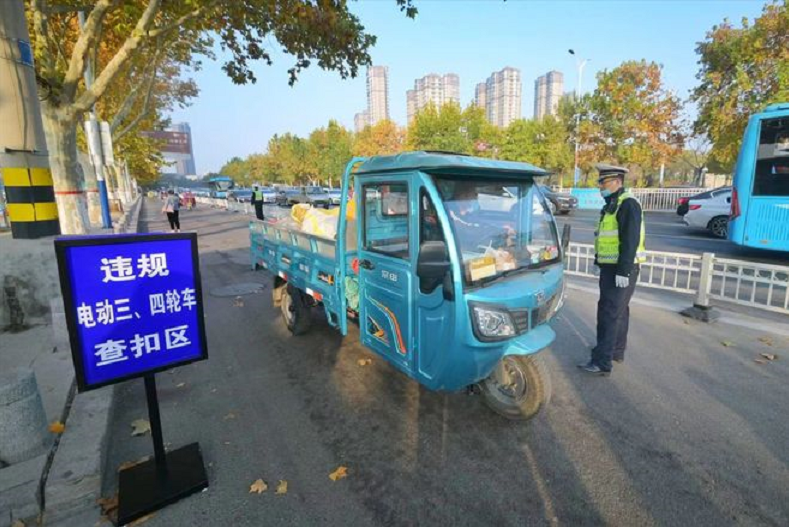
(72, 479)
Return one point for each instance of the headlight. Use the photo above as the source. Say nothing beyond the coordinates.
(493, 323)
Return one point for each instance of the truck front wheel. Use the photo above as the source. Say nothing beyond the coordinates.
(295, 311)
(518, 388)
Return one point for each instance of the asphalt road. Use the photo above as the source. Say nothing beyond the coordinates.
(686, 432)
(667, 233)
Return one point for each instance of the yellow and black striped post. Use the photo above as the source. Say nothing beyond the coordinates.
(30, 201)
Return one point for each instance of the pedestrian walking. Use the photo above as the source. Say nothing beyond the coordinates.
(257, 201)
(172, 206)
(619, 251)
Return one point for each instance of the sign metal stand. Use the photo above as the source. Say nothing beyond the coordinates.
(134, 308)
(163, 480)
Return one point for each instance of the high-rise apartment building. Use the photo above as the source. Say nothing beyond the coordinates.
(481, 95)
(548, 91)
(360, 121)
(432, 89)
(503, 93)
(377, 94)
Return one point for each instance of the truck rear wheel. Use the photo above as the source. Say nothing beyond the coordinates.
(518, 388)
(295, 311)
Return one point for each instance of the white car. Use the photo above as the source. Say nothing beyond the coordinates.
(710, 212)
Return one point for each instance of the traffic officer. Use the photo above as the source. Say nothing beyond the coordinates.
(619, 249)
(257, 201)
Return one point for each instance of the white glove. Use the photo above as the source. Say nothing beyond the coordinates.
(622, 281)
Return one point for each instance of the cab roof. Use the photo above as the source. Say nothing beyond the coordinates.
(448, 163)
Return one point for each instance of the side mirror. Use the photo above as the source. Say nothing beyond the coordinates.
(432, 265)
(566, 239)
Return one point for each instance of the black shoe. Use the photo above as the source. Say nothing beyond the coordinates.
(594, 369)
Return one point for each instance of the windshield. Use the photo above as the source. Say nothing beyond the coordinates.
(315, 190)
(500, 226)
(221, 184)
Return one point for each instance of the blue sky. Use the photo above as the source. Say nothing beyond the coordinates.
(470, 38)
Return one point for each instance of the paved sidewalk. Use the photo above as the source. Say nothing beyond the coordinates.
(65, 481)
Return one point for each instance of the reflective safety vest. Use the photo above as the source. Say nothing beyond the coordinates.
(258, 195)
(606, 242)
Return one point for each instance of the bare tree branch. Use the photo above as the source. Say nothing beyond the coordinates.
(81, 48)
(111, 70)
(143, 112)
(148, 74)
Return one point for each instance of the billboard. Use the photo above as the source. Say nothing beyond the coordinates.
(174, 142)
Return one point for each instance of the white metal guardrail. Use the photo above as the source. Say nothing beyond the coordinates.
(672, 271)
(752, 284)
(652, 199)
(656, 199)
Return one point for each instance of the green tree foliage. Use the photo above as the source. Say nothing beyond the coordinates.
(742, 70)
(238, 169)
(451, 129)
(329, 150)
(545, 143)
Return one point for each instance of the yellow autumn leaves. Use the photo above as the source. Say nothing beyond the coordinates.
(259, 486)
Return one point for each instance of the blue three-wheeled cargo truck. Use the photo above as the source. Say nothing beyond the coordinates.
(450, 265)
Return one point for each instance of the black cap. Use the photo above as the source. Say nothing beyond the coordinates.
(609, 171)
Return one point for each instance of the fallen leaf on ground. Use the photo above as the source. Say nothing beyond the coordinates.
(364, 362)
(238, 302)
(258, 486)
(213, 391)
(109, 508)
(727, 344)
(759, 361)
(130, 464)
(140, 427)
(686, 321)
(767, 341)
(142, 520)
(282, 488)
(231, 415)
(180, 385)
(769, 356)
(18, 523)
(57, 427)
(341, 472)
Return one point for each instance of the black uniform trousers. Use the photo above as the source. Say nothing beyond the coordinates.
(259, 210)
(613, 317)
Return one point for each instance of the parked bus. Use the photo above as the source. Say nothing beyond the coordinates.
(760, 201)
(219, 185)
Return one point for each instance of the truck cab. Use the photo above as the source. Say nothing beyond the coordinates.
(452, 268)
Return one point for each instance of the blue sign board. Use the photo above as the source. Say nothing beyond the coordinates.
(133, 304)
(25, 53)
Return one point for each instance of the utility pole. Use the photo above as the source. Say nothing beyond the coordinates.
(580, 64)
(29, 196)
(93, 136)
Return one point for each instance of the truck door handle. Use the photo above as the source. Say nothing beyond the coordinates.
(366, 264)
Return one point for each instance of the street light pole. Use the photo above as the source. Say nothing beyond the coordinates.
(580, 65)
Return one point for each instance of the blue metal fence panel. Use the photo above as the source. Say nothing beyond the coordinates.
(588, 198)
